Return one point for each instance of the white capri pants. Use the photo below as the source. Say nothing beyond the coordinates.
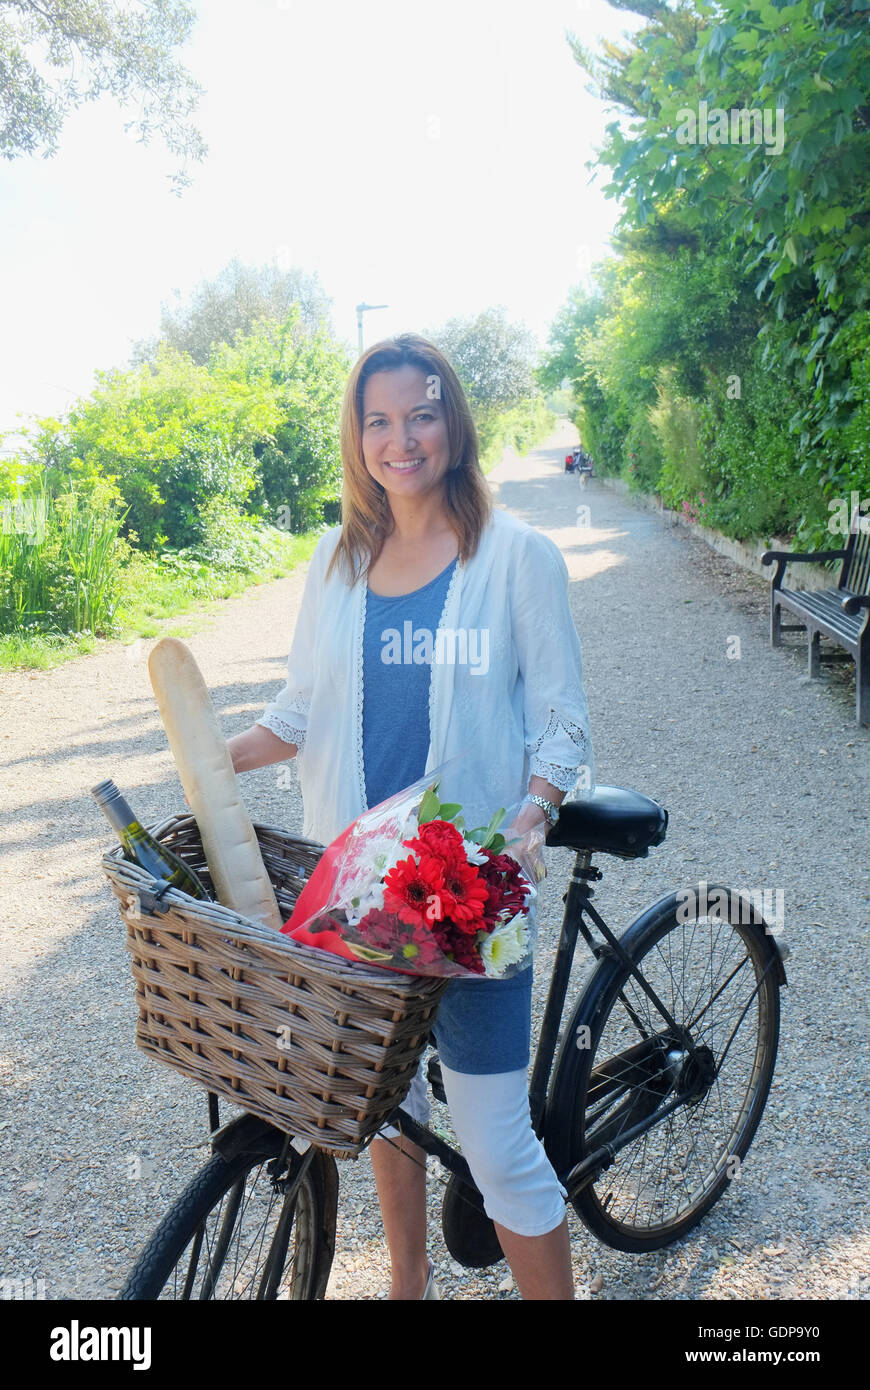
(491, 1120)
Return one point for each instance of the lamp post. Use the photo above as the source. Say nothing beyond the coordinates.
(360, 310)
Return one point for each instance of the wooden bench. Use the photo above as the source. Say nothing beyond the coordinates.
(841, 614)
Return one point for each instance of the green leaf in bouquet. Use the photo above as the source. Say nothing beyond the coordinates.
(429, 806)
(489, 832)
(449, 809)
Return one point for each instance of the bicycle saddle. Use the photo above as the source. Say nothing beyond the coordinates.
(613, 820)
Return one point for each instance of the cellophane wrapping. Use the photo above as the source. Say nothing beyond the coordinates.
(409, 887)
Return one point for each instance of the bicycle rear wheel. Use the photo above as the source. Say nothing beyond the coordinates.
(251, 1227)
(620, 1062)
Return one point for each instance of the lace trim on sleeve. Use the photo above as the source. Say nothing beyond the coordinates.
(555, 773)
(575, 732)
(564, 778)
(290, 733)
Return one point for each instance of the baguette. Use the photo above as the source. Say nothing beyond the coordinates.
(209, 781)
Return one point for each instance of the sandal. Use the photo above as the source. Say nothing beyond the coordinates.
(431, 1289)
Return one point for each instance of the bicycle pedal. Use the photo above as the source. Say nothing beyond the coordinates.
(433, 1076)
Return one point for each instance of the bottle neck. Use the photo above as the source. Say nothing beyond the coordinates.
(116, 810)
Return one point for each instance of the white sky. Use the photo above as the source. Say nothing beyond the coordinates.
(425, 156)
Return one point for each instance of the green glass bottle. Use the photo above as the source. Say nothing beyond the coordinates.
(141, 847)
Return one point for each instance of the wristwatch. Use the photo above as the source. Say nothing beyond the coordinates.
(550, 810)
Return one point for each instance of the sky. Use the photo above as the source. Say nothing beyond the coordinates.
(430, 157)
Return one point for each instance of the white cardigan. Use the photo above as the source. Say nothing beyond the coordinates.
(525, 715)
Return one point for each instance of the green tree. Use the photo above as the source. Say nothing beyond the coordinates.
(495, 361)
(493, 358)
(188, 447)
(227, 307)
(299, 461)
(56, 55)
(796, 210)
(560, 359)
(718, 360)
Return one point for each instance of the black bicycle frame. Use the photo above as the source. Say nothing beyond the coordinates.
(577, 906)
(576, 900)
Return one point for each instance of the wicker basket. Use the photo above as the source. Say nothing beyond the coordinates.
(318, 1046)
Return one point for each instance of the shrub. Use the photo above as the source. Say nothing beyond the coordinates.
(676, 421)
(643, 455)
(751, 457)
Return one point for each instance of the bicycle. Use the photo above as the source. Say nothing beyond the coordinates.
(641, 1120)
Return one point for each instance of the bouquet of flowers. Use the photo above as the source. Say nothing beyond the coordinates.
(409, 888)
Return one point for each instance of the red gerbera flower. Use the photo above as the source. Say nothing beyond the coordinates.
(464, 895)
(411, 889)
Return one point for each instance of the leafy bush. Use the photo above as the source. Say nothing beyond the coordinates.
(230, 543)
(643, 455)
(751, 458)
(298, 481)
(676, 421)
(256, 429)
(733, 263)
(855, 437)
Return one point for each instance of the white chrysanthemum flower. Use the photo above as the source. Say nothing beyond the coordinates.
(473, 853)
(366, 864)
(388, 855)
(504, 946)
(373, 898)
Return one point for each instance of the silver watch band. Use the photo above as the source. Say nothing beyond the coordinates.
(550, 810)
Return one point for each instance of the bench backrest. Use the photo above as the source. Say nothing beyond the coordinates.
(855, 574)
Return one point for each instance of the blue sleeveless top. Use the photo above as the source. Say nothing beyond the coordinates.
(481, 1027)
(398, 645)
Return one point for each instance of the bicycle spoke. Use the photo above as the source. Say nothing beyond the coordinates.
(235, 1252)
(242, 1269)
(703, 972)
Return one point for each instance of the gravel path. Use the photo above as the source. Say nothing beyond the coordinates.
(766, 779)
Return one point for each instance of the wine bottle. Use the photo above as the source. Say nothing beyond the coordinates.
(141, 847)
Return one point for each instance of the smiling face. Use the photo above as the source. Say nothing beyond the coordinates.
(404, 433)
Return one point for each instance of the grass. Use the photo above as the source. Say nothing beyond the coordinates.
(152, 594)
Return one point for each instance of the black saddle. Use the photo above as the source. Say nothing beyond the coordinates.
(613, 820)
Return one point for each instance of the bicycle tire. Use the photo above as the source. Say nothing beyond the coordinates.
(577, 1121)
(178, 1243)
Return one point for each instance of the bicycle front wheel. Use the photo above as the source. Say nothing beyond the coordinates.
(252, 1227)
(621, 1062)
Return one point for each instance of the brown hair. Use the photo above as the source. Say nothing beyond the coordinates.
(366, 518)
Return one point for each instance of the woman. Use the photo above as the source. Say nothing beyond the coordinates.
(374, 700)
